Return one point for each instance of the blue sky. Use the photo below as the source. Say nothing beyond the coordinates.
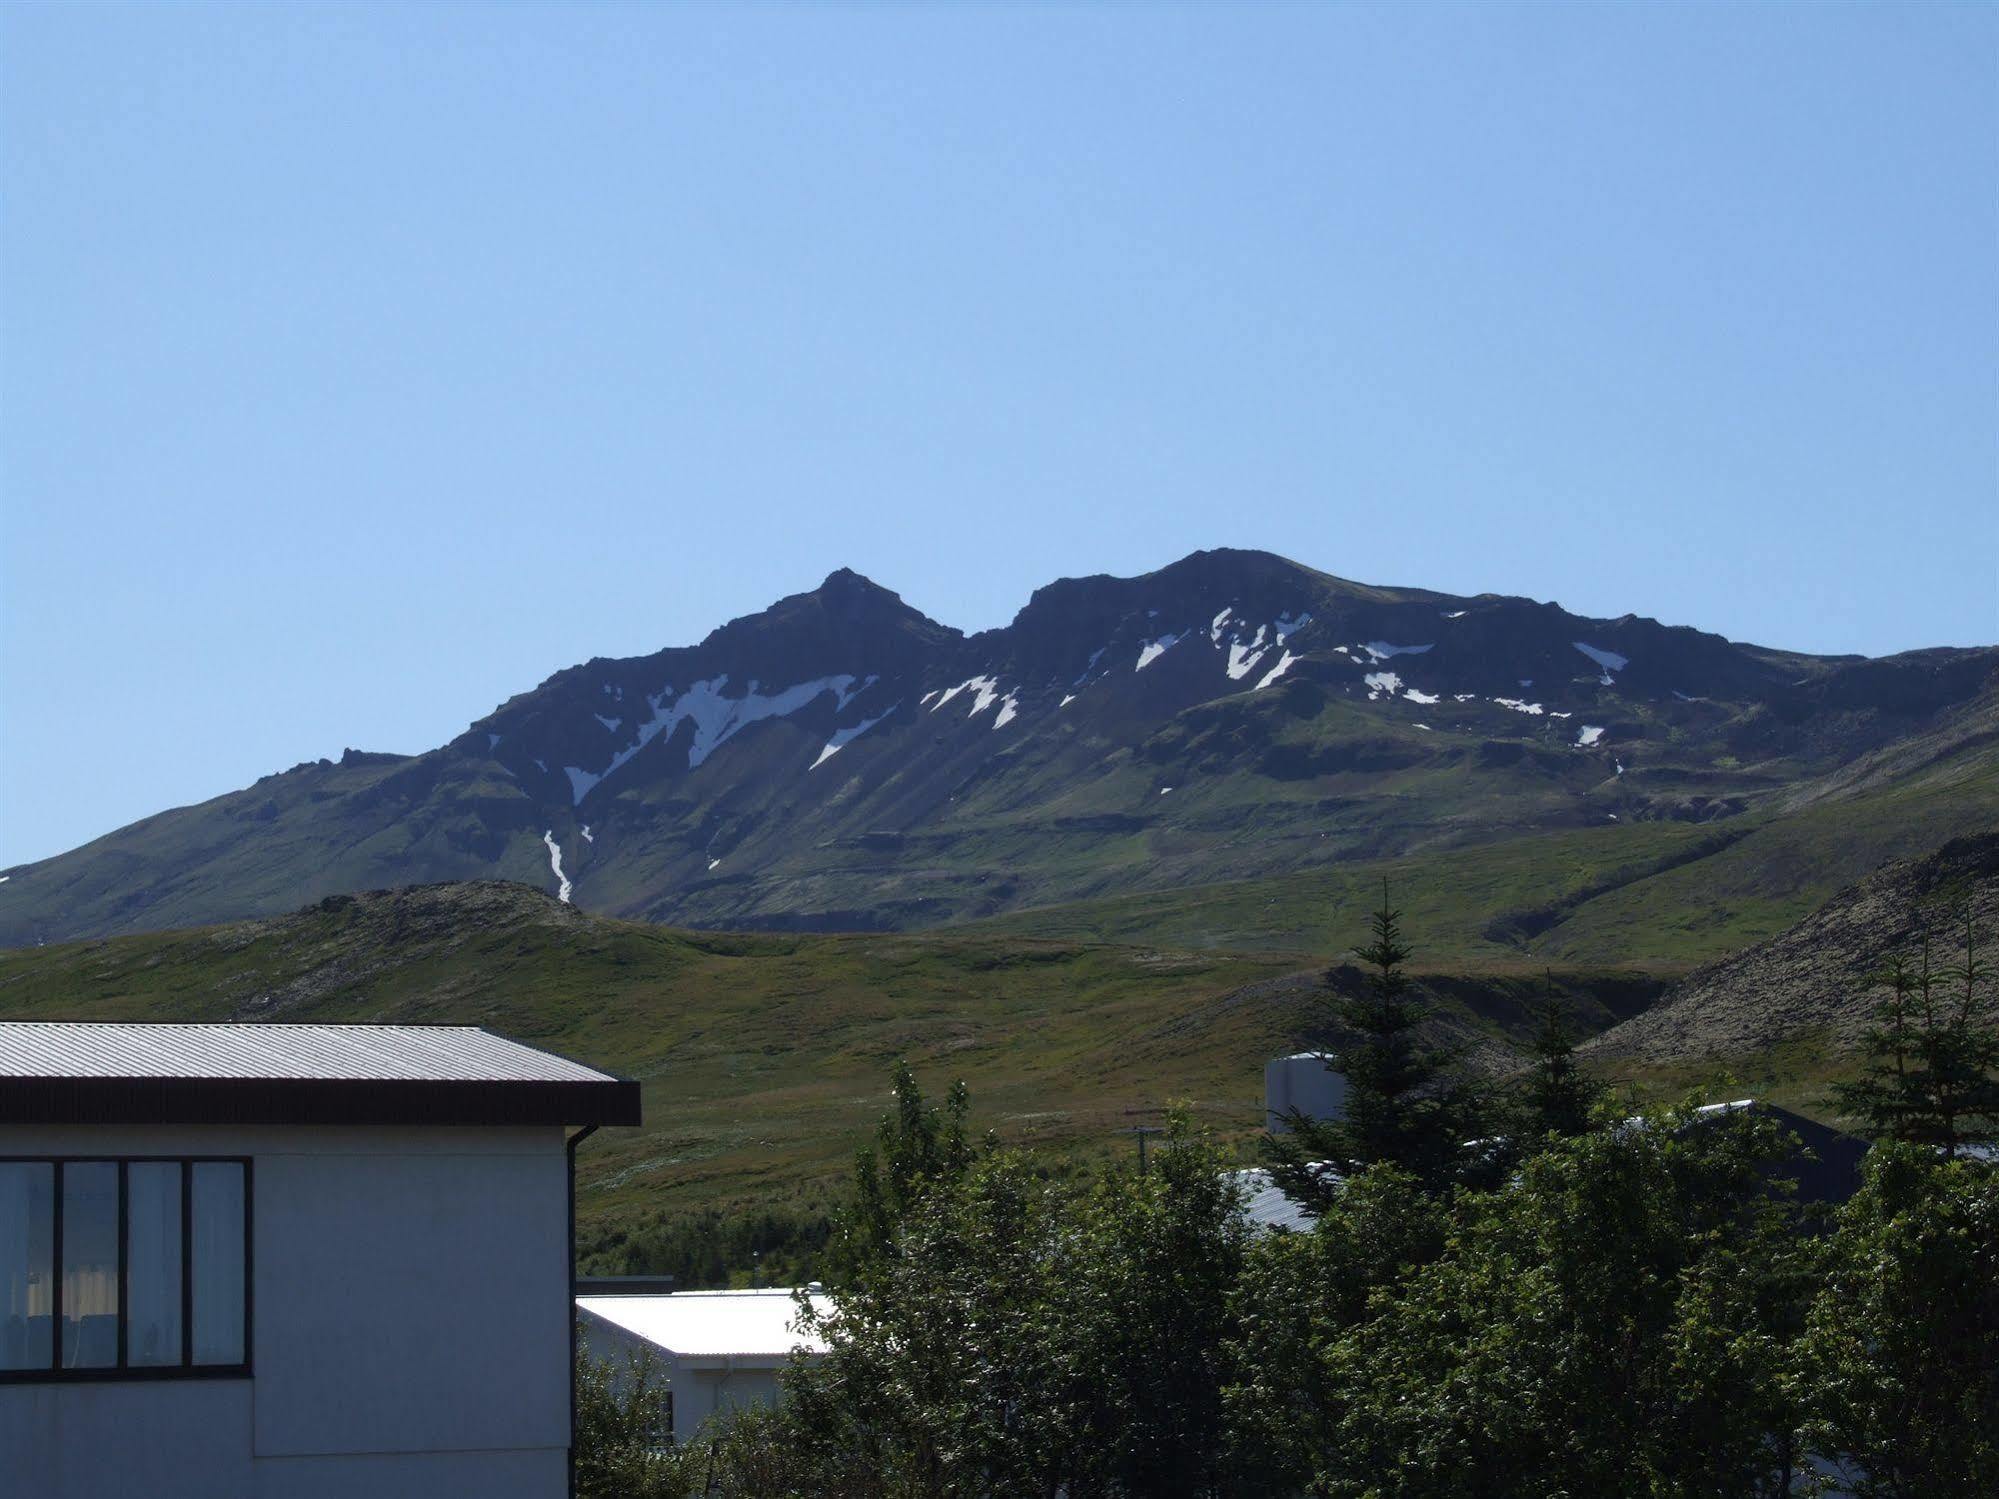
(360, 366)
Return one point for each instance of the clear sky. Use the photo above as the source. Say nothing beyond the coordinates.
(360, 366)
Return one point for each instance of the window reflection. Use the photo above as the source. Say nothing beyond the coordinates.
(27, 1264)
(152, 1264)
(218, 1262)
(90, 1265)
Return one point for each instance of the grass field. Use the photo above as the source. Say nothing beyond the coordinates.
(764, 1059)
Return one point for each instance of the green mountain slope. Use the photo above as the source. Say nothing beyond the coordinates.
(841, 762)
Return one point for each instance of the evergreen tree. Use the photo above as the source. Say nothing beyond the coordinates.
(1558, 1097)
(1406, 1103)
(1932, 1053)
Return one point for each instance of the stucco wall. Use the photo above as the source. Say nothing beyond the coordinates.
(410, 1329)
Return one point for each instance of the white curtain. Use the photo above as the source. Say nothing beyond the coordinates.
(90, 1265)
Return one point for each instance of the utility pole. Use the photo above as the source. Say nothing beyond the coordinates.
(1142, 1130)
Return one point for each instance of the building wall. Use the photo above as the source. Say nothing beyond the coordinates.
(410, 1329)
(703, 1391)
(702, 1387)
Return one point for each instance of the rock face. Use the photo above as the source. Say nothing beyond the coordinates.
(841, 760)
(1817, 979)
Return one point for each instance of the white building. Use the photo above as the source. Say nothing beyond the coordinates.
(287, 1261)
(717, 1349)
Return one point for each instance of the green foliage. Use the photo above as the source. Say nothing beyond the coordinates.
(1903, 1340)
(1609, 1323)
(919, 1150)
(1300, 1295)
(624, 1433)
(1557, 1097)
(994, 1333)
(1637, 1311)
(1406, 1105)
(1144, 1319)
(1932, 1053)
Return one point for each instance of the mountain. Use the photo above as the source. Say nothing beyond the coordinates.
(841, 761)
(1814, 985)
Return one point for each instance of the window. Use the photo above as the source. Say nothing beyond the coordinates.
(124, 1268)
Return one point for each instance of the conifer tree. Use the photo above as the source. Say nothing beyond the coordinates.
(1406, 1102)
(1932, 1073)
(1558, 1096)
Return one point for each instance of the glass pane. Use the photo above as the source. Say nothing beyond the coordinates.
(218, 1262)
(152, 1264)
(90, 1265)
(27, 1264)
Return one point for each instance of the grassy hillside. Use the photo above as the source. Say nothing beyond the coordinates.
(764, 1058)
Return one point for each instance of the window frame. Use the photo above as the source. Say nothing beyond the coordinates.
(124, 1371)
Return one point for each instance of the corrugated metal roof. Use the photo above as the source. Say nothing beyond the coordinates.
(346, 1053)
(711, 1324)
(1266, 1205)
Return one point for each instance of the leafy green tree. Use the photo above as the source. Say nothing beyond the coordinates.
(1140, 1310)
(1901, 1352)
(1407, 1105)
(624, 1432)
(993, 1334)
(1933, 1053)
(1300, 1293)
(1612, 1322)
(1557, 1097)
(934, 1382)
(919, 1150)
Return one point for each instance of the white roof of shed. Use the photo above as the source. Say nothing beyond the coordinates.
(711, 1324)
(343, 1053)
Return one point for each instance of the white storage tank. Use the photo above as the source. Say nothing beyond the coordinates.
(1306, 1084)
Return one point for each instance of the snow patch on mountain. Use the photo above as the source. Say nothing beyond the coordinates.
(1067, 699)
(609, 723)
(1381, 650)
(587, 838)
(1425, 698)
(1090, 665)
(1151, 650)
(1608, 660)
(1382, 684)
(716, 717)
(1275, 672)
(555, 864)
(1457, 614)
(1243, 658)
(984, 690)
(1519, 707)
(1290, 624)
(1590, 734)
(1009, 710)
(844, 737)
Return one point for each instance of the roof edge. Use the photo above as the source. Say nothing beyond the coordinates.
(324, 1101)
